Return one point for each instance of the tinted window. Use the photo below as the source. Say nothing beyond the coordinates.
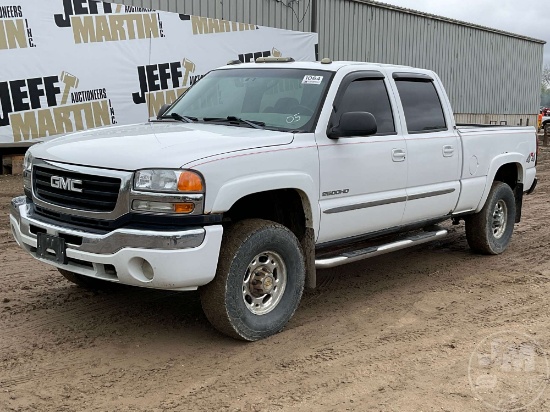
(369, 95)
(423, 111)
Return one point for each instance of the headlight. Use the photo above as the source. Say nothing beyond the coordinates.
(27, 162)
(171, 181)
(27, 170)
(168, 191)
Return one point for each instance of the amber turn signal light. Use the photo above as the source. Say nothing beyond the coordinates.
(190, 182)
(184, 207)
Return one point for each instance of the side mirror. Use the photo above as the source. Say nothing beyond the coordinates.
(164, 108)
(354, 124)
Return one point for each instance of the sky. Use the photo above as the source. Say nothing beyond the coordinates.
(525, 17)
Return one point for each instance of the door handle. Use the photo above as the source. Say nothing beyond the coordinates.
(398, 155)
(448, 151)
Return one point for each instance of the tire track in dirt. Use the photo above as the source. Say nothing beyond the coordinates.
(386, 336)
(356, 346)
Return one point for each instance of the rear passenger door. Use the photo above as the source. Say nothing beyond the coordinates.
(433, 151)
(362, 178)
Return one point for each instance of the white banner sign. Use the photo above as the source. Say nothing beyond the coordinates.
(70, 65)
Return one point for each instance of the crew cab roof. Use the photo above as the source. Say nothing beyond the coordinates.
(333, 67)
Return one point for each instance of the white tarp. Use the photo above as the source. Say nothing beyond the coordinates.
(69, 65)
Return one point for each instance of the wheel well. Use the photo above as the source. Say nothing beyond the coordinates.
(284, 206)
(509, 174)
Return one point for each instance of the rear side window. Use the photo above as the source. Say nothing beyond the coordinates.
(423, 110)
(369, 95)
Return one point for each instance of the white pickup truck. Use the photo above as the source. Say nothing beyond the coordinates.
(264, 172)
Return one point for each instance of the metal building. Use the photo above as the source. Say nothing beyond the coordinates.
(491, 76)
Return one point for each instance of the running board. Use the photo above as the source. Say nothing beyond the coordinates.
(355, 255)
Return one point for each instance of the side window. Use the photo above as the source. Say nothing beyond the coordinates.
(369, 95)
(423, 110)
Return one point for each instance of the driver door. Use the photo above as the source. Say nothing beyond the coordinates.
(363, 179)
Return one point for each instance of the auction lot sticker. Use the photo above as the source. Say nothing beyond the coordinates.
(312, 80)
(508, 371)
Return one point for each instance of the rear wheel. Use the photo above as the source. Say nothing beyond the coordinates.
(87, 282)
(490, 231)
(259, 280)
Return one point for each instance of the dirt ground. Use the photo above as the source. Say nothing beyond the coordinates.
(394, 333)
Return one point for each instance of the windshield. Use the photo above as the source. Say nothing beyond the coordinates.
(276, 99)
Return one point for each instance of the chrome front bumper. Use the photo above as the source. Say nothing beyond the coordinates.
(169, 260)
(108, 243)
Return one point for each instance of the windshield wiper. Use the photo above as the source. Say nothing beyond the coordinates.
(255, 124)
(179, 117)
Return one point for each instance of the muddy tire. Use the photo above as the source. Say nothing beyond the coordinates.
(490, 231)
(259, 281)
(87, 282)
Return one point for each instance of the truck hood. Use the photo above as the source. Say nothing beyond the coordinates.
(155, 145)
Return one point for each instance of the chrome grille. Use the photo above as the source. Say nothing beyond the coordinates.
(99, 193)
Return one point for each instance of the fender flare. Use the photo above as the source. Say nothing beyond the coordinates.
(236, 189)
(506, 158)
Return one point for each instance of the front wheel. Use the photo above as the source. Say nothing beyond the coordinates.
(490, 231)
(259, 280)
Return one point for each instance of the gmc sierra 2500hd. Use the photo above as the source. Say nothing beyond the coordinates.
(262, 173)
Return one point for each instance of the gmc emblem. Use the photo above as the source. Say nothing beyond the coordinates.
(66, 184)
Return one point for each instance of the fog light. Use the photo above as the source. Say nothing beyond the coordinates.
(141, 269)
(147, 270)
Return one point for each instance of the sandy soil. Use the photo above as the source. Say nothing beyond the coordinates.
(395, 333)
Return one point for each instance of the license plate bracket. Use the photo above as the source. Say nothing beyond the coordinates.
(51, 247)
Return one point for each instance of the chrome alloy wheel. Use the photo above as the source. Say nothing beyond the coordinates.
(500, 217)
(264, 283)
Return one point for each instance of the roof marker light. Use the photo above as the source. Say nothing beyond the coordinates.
(274, 60)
